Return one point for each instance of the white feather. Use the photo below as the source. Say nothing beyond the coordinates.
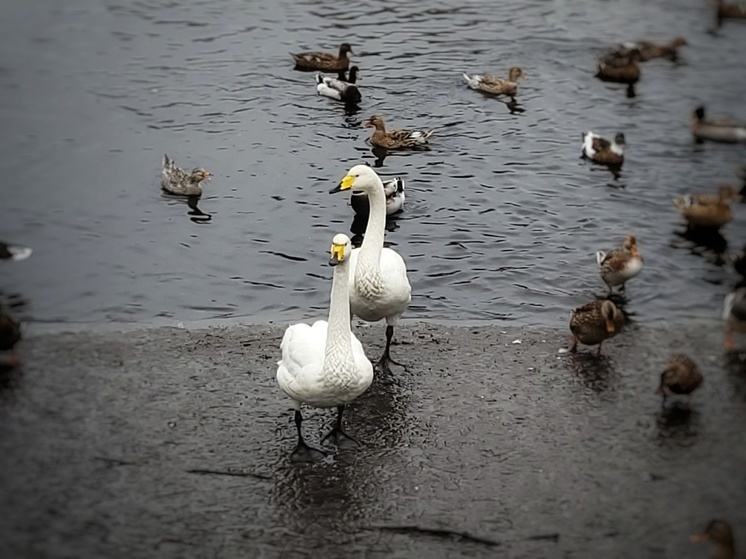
(324, 365)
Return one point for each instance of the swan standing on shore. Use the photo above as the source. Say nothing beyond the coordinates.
(324, 365)
(379, 286)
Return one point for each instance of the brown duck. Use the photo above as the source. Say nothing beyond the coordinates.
(620, 68)
(10, 335)
(719, 532)
(619, 265)
(493, 85)
(648, 50)
(393, 139)
(595, 322)
(680, 376)
(707, 210)
(323, 60)
(603, 151)
(727, 10)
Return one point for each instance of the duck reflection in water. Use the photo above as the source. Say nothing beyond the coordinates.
(197, 215)
(676, 424)
(705, 242)
(317, 503)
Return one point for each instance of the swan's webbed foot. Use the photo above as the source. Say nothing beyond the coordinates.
(340, 438)
(305, 453)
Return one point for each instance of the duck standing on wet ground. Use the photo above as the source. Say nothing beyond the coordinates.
(175, 180)
(324, 365)
(619, 265)
(721, 129)
(323, 61)
(379, 285)
(595, 322)
(708, 211)
(600, 150)
(10, 335)
(681, 375)
(395, 139)
(719, 533)
(493, 85)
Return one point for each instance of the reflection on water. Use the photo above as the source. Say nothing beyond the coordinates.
(677, 423)
(595, 372)
(329, 497)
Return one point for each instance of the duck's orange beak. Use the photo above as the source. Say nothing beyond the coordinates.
(610, 326)
(696, 538)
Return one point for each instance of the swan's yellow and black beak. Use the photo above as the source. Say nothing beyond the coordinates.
(338, 254)
(345, 184)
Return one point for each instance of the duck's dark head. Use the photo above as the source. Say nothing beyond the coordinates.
(699, 113)
(353, 74)
(619, 139)
(345, 48)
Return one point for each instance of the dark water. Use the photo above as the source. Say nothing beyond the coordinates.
(503, 218)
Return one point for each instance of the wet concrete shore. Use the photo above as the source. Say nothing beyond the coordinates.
(168, 442)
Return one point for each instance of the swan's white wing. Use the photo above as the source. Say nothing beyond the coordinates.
(302, 349)
(394, 295)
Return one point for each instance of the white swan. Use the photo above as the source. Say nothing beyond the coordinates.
(394, 191)
(379, 287)
(324, 365)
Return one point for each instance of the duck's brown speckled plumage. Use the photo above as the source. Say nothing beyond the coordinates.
(393, 139)
(720, 533)
(314, 60)
(595, 322)
(619, 265)
(175, 180)
(681, 375)
(707, 210)
(493, 85)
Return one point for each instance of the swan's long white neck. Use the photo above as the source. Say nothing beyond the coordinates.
(338, 352)
(370, 252)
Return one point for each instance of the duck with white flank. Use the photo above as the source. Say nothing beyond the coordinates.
(619, 265)
(603, 151)
(339, 89)
(394, 190)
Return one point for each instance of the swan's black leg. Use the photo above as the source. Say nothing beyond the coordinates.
(303, 452)
(337, 435)
(385, 361)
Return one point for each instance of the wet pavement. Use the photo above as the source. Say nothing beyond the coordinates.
(169, 442)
